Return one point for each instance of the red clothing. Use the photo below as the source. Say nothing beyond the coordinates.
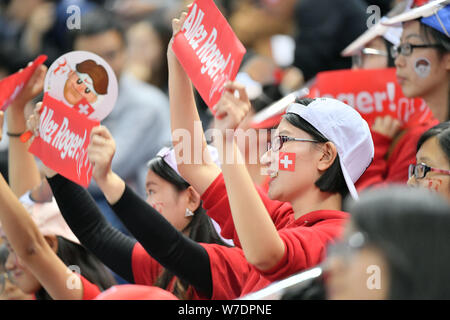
(394, 169)
(305, 241)
(146, 271)
(90, 290)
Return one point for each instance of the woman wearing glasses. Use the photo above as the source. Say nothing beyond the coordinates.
(423, 57)
(394, 146)
(432, 170)
(396, 246)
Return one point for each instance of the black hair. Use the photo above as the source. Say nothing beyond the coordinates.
(332, 180)
(442, 133)
(391, 60)
(410, 228)
(73, 254)
(96, 22)
(200, 228)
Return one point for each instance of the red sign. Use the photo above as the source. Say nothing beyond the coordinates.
(208, 50)
(11, 86)
(372, 93)
(287, 161)
(63, 139)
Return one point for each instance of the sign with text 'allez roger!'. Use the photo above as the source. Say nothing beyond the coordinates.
(63, 139)
(373, 93)
(208, 50)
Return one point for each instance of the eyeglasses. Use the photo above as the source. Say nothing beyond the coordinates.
(406, 49)
(346, 249)
(357, 59)
(277, 142)
(419, 171)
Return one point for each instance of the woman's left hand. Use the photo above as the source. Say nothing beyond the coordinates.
(231, 110)
(101, 151)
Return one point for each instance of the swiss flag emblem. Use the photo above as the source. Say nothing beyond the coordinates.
(287, 161)
(84, 107)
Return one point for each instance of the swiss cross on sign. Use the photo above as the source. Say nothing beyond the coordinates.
(84, 107)
(287, 161)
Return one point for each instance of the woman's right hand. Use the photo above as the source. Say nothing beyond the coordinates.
(176, 27)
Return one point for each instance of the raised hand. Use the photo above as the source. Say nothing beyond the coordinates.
(176, 27)
(386, 126)
(231, 110)
(101, 151)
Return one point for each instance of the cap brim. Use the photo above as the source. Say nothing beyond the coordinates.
(376, 31)
(416, 13)
(348, 180)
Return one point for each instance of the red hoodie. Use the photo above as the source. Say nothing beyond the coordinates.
(305, 241)
(394, 169)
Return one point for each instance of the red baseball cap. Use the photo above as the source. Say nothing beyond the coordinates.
(135, 292)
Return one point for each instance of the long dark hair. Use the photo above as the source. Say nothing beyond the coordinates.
(411, 228)
(200, 228)
(333, 179)
(73, 254)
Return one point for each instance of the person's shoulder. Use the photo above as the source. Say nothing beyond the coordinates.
(141, 92)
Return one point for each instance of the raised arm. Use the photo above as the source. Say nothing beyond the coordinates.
(184, 116)
(23, 172)
(32, 248)
(182, 256)
(259, 238)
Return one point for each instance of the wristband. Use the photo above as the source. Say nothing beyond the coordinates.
(14, 135)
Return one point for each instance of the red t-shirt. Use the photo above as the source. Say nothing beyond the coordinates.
(305, 241)
(395, 169)
(146, 271)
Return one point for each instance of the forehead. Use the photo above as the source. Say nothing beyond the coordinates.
(432, 150)
(285, 127)
(411, 29)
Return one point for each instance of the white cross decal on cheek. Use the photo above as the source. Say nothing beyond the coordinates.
(286, 162)
(84, 109)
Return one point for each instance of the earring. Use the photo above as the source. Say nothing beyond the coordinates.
(188, 213)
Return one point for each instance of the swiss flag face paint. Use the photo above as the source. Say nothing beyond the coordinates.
(287, 161)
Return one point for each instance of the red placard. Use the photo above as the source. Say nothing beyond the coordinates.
(208, 50)
(12, 85)
(63, 139)
(372, 93)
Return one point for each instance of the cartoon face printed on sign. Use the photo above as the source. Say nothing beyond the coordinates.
(84, 81)
(88, 81)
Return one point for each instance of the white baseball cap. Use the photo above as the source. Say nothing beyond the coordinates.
(346, 129)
